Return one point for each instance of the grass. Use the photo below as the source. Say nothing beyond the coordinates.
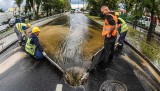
(138, 40)
(51, 38)
(6, 32)
(93, 43)
(96, 18)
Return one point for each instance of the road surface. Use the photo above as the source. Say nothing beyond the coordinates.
(20, 72)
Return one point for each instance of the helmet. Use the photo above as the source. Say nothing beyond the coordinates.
(28, 25)
(116, 13)
(35, 29)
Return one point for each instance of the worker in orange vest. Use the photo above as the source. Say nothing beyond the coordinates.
(110, 34)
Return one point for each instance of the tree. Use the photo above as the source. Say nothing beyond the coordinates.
(152, 7)
(139, 7)
(1, 10)
(38, 3)
(56, 5)
(19, 2)
(95, 5)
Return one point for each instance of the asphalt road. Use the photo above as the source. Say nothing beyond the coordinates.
(28, 74)
(20, 72)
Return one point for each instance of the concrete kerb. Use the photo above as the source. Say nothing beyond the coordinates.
(55, 64)
(145, 59)
(143, 56)
(4, 48)
(10, 53)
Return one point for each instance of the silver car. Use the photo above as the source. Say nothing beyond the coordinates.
(12, 22)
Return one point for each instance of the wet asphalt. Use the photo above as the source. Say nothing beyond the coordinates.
(29, 74)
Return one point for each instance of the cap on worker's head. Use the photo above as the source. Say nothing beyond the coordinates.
(35, 29)
(116, 13)
(28, 25)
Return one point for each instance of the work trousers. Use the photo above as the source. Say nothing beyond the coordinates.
(121, 40)
(38, 54)
(108, 50)
(18, 33)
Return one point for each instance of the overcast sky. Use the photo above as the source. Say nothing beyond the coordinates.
(5, 4)
(76, 1)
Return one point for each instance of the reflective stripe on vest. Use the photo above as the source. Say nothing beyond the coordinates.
(30, 48)
(19, 26)
(107, 27)
(124, 26)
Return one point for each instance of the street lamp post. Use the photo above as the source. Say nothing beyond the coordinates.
(83, 6)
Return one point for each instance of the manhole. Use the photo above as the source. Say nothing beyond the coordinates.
(111, 85)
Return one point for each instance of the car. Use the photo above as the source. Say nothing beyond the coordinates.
(147, 22)
(144, 21)
(12, 22)
(72, 10)
(1, 24)
(4, 27)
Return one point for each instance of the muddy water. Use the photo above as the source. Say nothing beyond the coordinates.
(71, 41)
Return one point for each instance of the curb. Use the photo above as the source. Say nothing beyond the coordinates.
(6, 47)
(11, 52)
(143, 56)
(55, 64)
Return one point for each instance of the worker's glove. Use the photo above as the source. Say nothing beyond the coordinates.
(44, 54)
(116, 44)
(108, 36)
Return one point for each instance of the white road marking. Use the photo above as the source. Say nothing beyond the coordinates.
(12, 60)
(59, 87)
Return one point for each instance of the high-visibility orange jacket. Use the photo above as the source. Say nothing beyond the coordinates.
(107, 26)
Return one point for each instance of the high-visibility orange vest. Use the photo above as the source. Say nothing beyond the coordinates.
(107, 26)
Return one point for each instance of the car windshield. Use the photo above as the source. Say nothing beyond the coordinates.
(147, 19)
(12, 19)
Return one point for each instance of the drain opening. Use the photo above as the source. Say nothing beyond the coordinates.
(111, 85)
(74, 75)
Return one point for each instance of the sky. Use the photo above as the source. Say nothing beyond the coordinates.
(5, 4)
(76, 4)
(76, 1)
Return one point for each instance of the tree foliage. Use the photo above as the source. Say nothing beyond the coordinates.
(18, 2)
(1, 10)
(47, 6)
(95, 5)
(137, 8)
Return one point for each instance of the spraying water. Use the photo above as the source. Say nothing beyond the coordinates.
(70, 53)
(71, 48)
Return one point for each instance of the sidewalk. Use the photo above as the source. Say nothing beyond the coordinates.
(9, 39)
(158, 29)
